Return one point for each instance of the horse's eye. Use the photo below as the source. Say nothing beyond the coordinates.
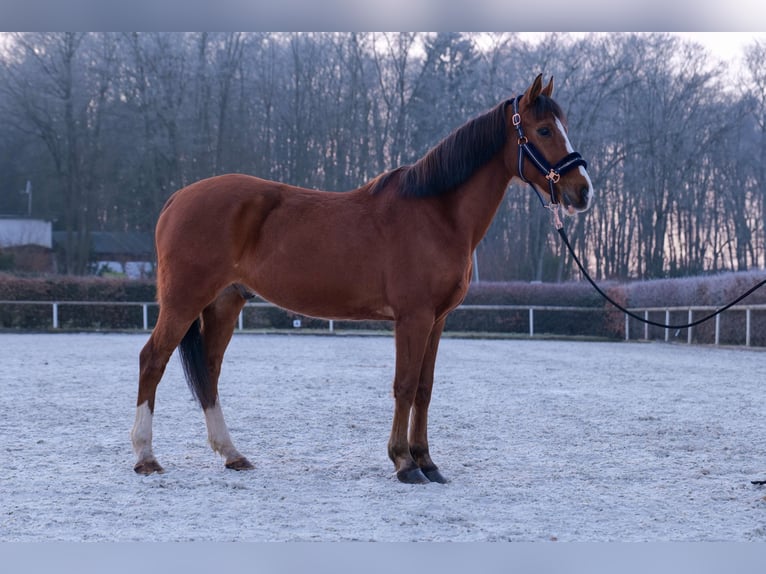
(545, 132)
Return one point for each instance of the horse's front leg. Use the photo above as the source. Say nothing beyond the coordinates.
(418, 438)
(412, 336)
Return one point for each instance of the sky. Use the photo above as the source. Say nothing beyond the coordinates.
(725, 46)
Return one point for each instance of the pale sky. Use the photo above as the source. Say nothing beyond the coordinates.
(725, 45)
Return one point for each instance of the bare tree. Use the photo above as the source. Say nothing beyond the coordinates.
(398, 68)
(109, 125)
(59, 96)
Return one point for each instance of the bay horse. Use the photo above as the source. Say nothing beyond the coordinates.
(398, 248)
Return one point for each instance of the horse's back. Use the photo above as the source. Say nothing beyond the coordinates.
(300, 248)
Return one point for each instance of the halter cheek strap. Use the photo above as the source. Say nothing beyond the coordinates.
(551, 172)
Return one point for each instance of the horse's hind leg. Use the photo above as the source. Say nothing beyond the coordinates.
(218, 322)
(153, 359)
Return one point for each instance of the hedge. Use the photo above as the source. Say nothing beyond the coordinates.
(713, 291)
(67, 288)
(600, 320)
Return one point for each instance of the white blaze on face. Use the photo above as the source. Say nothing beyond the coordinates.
(570, 149)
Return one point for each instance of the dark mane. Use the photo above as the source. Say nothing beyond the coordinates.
(453, 160)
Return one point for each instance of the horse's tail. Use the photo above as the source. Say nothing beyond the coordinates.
(194, 361)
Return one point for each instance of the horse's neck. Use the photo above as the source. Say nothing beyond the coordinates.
(477, 200)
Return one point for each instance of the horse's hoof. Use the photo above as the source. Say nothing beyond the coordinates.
(412, 476)
(434, 475)
(147, 467)
(240, 463)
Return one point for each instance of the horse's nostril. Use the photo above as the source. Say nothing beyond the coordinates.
(584, 193)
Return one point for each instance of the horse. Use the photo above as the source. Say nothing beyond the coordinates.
(399, 248)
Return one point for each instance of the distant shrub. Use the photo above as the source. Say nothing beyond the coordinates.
(712, 290)
(69, 288)
(590, 323)
(572, 294)
(599, 319)
(65, 288)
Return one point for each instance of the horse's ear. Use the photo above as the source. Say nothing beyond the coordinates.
(534, 90)
(548, 90)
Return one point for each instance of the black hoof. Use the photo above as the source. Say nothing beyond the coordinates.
(240, 464)
(147, 467)
(412, 476)
(434, 475)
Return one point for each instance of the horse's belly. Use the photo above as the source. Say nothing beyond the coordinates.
(304, 294)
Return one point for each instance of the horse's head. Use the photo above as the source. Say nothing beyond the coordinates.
(539, 151)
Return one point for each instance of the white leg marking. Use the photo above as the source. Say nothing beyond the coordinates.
(141, 435)
(218, 433)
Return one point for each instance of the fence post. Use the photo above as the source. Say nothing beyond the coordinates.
(145, 312)
(531, 322)
(646, 326)
(240, 319)
(747, 327)
(667, 322)
(717, 328)
(627, 327)
(55, 315)
(689, 331)
(332, 326)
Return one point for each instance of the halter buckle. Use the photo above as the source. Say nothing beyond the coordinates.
(516, 119)
(523, 141)
(553, 176)
(555, 219)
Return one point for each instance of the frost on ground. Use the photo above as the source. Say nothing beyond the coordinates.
(542, 440)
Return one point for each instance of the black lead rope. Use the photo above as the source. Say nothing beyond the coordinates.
(564, 237)
(552, 174)
(563, 234)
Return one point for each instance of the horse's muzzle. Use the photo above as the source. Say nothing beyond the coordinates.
(577, 200)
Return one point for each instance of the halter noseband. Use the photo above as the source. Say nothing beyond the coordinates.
(551, 173)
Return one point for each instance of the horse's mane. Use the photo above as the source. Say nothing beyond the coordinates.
(455, 159)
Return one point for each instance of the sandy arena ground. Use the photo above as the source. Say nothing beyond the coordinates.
(542, 440)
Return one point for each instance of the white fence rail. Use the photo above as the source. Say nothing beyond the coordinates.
(660, 314)
(146, 324)
(691, 314)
